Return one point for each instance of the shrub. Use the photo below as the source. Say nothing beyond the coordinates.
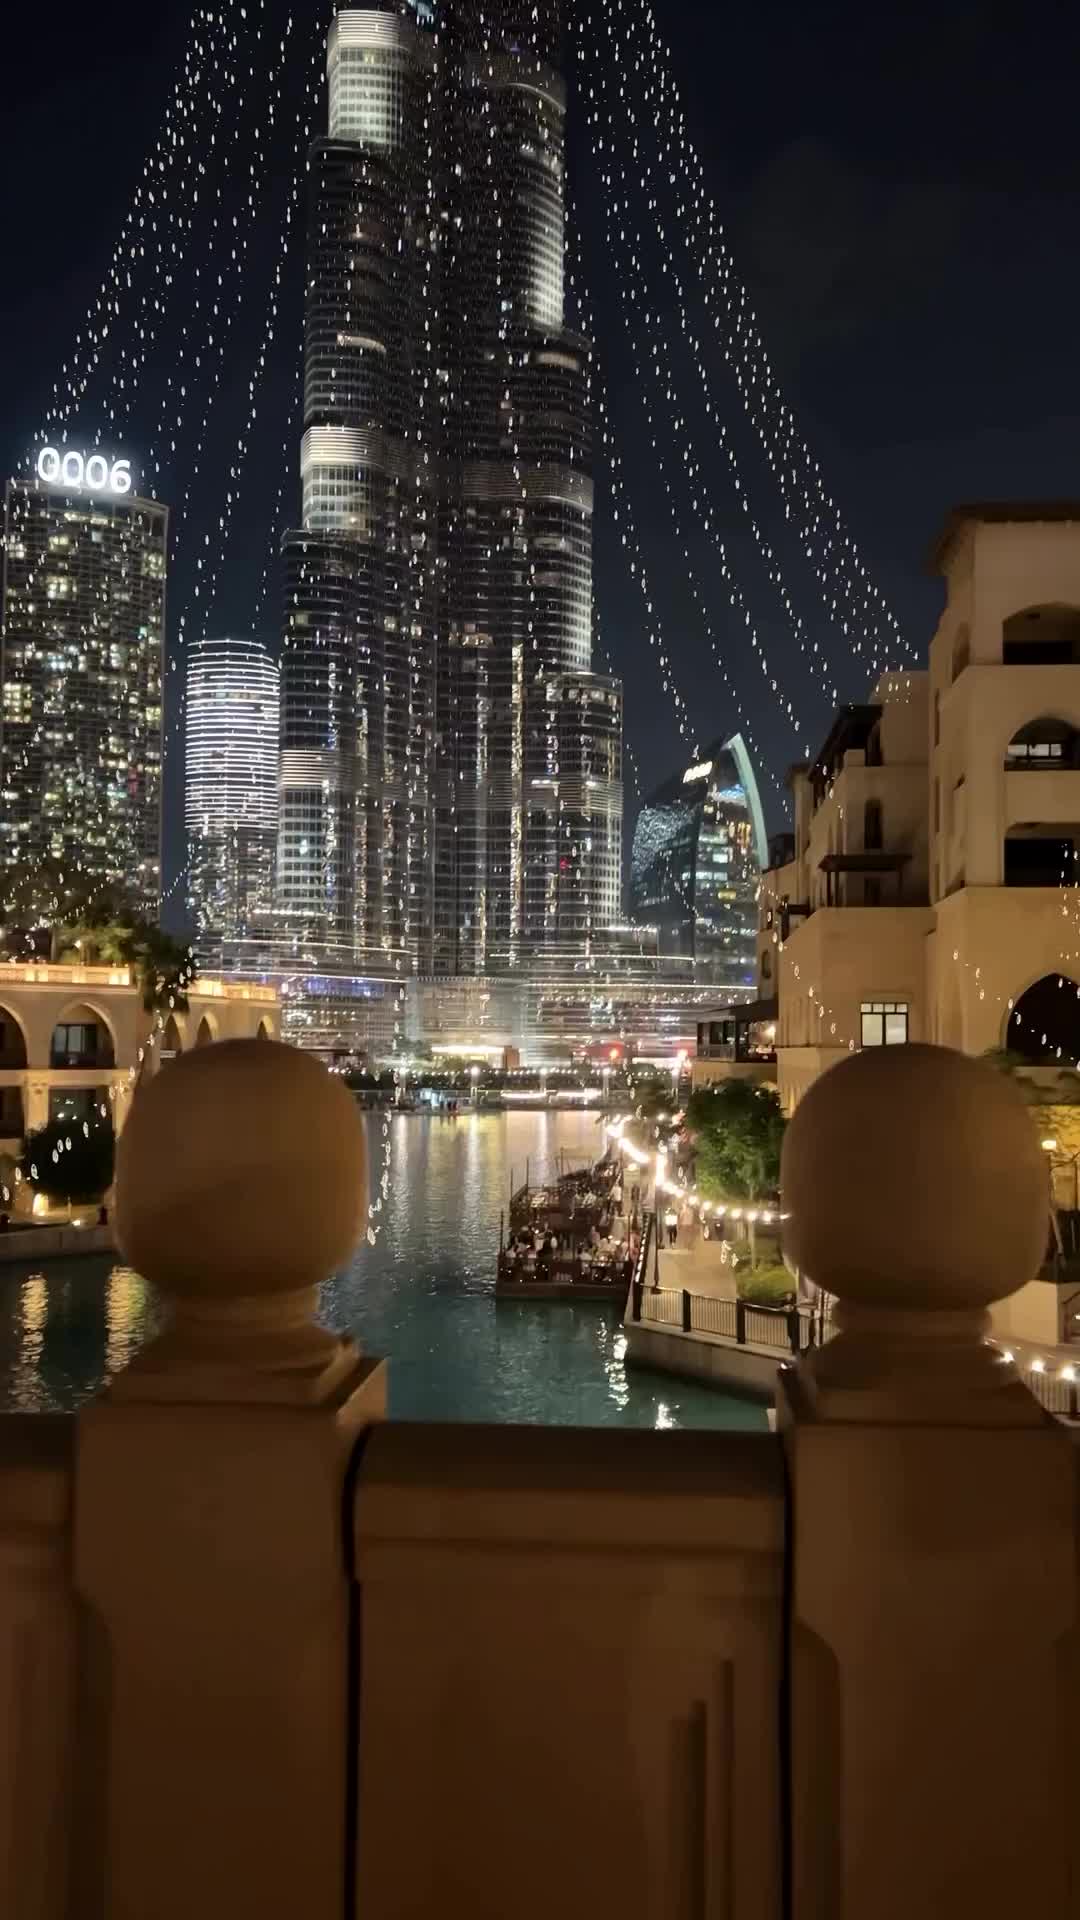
(766, 1287)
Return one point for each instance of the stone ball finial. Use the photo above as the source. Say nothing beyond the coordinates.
(240, 1173)
(913, 1178)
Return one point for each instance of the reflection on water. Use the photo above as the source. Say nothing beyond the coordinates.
(422, 1296)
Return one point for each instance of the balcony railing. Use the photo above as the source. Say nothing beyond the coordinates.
(267, 1652)
(85, 1060)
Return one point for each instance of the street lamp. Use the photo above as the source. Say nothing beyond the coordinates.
(474, 1075)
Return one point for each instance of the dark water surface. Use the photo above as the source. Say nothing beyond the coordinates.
(422, 1296)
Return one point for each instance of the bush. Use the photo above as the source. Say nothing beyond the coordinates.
(70, 1159)
(766, 1287)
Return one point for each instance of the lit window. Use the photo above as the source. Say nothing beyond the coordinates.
(884, 1023)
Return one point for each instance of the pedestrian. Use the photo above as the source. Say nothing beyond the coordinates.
(671, 1222)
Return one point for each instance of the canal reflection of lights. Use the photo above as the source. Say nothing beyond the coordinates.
(613, 1344)
(33, 1316)
(125, 1294)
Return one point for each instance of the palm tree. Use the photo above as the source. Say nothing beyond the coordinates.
(165, 968)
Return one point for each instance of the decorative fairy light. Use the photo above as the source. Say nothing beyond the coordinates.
(844, 580)
(277, 514)
(659, 361)
(174, 235)
(623, 515)
(209, 561)
(208, 33)
(208, 323)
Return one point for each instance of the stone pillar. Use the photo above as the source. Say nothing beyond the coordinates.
(209, 1532)
(934, 1675)
(37, 1666)
(35, 1104)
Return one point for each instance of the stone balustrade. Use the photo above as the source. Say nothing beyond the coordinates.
(264, 1653)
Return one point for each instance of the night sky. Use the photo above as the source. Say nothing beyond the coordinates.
(900, 186)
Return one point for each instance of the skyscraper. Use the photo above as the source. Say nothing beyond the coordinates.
(230, 794)
(698, 855)
(84, 573)
(358, 658)
(443, 736)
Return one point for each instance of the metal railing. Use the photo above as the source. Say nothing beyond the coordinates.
(781, 1330)
(795, 1330)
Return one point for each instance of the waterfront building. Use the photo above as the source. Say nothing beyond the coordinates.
(559, 1009)
(450, 776)
(83, 603)
(76, 1041)
(230, 792)
(698, 854)
(930, 893)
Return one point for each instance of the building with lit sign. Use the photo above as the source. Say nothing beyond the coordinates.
(698, 854)
(83, 603)
(230, 792)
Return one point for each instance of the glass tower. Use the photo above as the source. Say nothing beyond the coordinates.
(450, 767)
(699, 849)
(83, 583)
(230, 792)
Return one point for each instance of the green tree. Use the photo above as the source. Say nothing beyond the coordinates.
(738, 1132)
(71, 1159)
(164, 967)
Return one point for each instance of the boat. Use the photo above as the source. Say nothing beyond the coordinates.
(566, 1209)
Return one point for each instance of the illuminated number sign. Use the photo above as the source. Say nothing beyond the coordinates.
(83, 473)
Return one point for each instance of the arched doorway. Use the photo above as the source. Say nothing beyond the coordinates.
(172, 1041)
(1044, 1025)
(204, 1036)
(264, 1032)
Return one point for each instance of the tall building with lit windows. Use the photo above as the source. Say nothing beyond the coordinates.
(83, 598)
(230, 793)
(444, 742)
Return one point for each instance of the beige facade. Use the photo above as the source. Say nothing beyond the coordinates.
(71, 1036)
(932, 885)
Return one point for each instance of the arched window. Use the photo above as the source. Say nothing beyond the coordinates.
(766, 965)
(1044, 1025)
(1042, 637)
(81, 1039)
(1043, 744)
(873, 827)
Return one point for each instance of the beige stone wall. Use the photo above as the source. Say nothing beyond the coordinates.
(37, 999)
(843, 956)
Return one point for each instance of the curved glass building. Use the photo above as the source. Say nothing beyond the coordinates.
(699, 849)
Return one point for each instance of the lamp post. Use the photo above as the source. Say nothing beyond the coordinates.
(474, 1075)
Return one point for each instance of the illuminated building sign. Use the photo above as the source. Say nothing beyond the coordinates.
(697, 773)
(83, 473)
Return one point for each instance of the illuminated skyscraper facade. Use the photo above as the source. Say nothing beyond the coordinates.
(230, 793)
(83, 583)
(699, 851)
(450, 767)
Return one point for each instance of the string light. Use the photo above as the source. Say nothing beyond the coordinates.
(844, 581)
(208, 37)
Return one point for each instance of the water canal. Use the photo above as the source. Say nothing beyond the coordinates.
(422, 1296)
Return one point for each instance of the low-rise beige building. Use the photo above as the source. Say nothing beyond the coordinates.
(931, 891)
(76, 1039)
